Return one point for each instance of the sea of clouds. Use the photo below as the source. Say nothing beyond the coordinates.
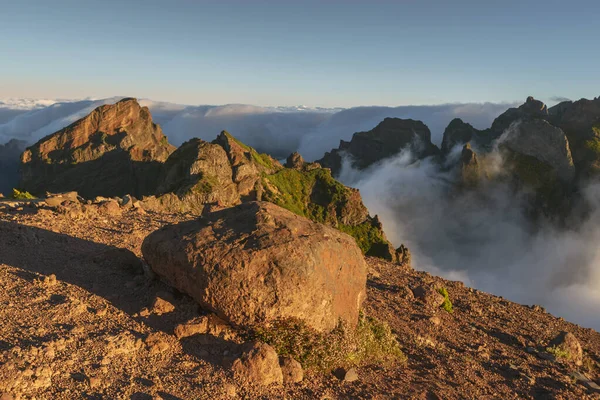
(481, 237)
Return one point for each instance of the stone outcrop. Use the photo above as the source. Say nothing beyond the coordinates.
(114, 150)
(471, 171)
(9, 164)
(546, 143)
(580, 120)
(459, 133)
(257, 262)
(387, 139)
(531, 109)
(199, 172)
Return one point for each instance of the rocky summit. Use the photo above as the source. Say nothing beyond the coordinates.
(385, 140)
(114, 150)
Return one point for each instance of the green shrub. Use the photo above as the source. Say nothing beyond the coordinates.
(371, 342)
(18, 195)
(447, 304)
(558, 352)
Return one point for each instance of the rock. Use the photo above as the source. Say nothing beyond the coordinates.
(161, 306)
(6, 396)
(435, 320)
(271, 264)
(207, 324)
(291, 369)
(248, 166)
(587, 382)
(199, 172)
(346, 375)
(429, 296)
(115, 150)
(546, 143)
(532, 109)
(49, 280)
(470, 171)
(385, 140)
(56, 199)
(259, 364)
(459, 133)
(110, 207)
(156, 343)
(295, 161)
(568, 343)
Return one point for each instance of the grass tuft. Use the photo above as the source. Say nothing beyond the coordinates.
(19, 195)
(371, 342)
(447, 304)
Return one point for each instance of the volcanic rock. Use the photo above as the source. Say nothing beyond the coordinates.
(257, 262)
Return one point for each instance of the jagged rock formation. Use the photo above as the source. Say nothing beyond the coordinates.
(471, 171)
(256, 263)
(9, 164)
(546, 143)
(531, 109)
(580, 120)
(114, 150)
(385, 140)
(460, 133)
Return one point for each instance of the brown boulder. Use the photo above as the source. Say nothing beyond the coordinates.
(291, 369)
(258, 365)
(568, 344)
(257, 262)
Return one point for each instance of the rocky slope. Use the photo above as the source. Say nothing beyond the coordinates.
(81, 319)
(115, 150)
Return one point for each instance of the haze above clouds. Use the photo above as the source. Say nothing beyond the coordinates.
(276, 130)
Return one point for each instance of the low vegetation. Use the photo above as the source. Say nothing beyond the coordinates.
(22, 195)
(447, 304)
(558, 352)
(371, 342)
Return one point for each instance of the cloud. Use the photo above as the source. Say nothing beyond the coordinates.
(559, 99)
(484, 238)
(343, 124)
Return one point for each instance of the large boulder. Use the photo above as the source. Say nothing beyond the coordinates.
(385, 140)
(257, 262)
(113, 151)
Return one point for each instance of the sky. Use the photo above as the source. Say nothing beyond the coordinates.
(318, 53)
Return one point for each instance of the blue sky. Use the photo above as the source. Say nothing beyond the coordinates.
(318, 53)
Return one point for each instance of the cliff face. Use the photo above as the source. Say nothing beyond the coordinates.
(9, 164)
(387, 139)
(114, 150)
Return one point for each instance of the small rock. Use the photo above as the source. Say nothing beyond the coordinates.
(429, 296)
(435, 320)
(230, 390)
(6, 396)
(49, 280)
(156, 343)
(259, 364)
(110, 207)
(94, 382)
(291, 369)
(162, 306)
(345, 375)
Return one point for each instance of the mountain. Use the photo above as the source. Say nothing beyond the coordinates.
(115, 150)
(385, 140)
